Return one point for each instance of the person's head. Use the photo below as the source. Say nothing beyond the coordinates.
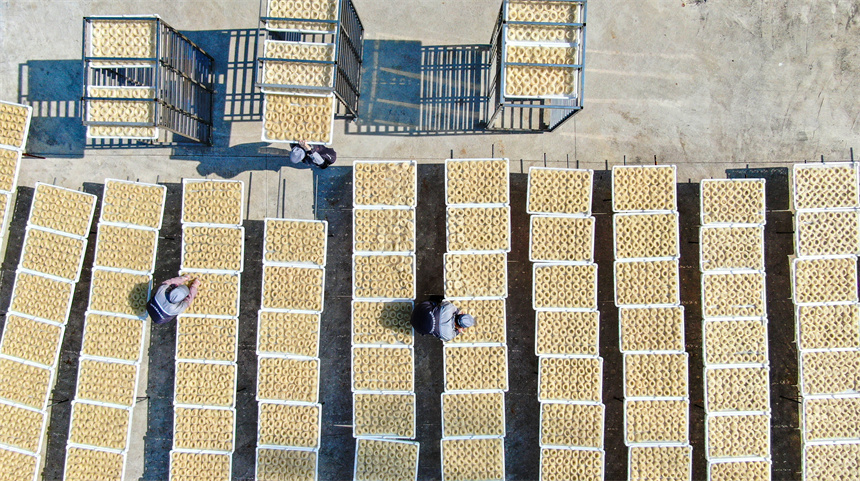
(177, 294)
(465, 321)
(327, 153)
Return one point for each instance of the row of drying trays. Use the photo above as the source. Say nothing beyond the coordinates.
(570, 388)
(826, 201)
(647, 293)
(383, 294)
(735, 343)
(478, 238)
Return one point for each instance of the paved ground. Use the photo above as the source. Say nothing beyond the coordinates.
(713, 87)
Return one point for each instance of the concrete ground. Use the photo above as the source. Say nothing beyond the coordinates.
(713, 87)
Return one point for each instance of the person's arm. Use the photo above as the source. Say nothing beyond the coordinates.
(176, 281)
(192, 291)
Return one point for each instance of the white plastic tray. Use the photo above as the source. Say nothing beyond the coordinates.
(189, 451)
(44, 426)
(798, 228)
(543, 399)
(702, 261)
(703, 213)
(639, 214)
(143, 315)
(352, 321)
(551, 354)
(400, 441)
(295, 141)
(822, 165)
(267, 262)
(37, 462)
(99, 244)
(674, 186)
(53, 365)
(238, 275)
(507, 183)
(279, 448)
(712, 462)
(93, 200)
(677, 274)
(795, 261)
(17, 170)
(232, 440)
(800, 376)
(544, 449)
(93, 446)
(143, 184)
(123, 455)
(587, 213)
(318, 407)
(331, 22)
(385, 435)
(182, 265)
(682, 341)
(186, 182)
(536, 307)
(296, 89)
(806, 475)
(706, 322)
(708, 416)
(442, 456)
(140, 341)
(543, 406)
(803, 416)
(288, 401)
(235, 383)
(448, 228)
(733, 366)
(656, 443)
(646, 398)
(263, 305)
(534, 258)
(100, 403)
(58, 279)
(798, 331)
(23, 145)
(285, 354)
(763, 293)
(352, 371)
(180, 319)
(448, 346)
(90, 135)
(370, 254)
(689, 450)
(466, 298)
(414, 203)
(544, 43)
(355, 249)
(504, 417)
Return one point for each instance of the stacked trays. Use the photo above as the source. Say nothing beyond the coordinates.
(297, 77)
(651, 322)
(128, 111)
(14, 127)
(567, 324)
(826, 206)
(51, 258)
(735, 353)
(288, 336)
(204, 403)
(478, 232)
(383, 287)
(114, 329)
(543, 43)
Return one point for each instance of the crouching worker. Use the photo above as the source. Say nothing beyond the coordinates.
(171, 298)
(442, 319)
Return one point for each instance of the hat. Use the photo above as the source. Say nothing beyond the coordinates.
(328, 154)
(465, 320)
(177, 294)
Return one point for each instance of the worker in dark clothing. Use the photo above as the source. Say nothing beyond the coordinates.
(440, 318)
(314, 155)
(171, 298)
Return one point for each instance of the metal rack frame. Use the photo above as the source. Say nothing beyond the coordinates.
(181, 73)
(531, 114)
(347, 36)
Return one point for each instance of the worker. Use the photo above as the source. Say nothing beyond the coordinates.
(171, 298)
(317, 155)
(440, 318)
